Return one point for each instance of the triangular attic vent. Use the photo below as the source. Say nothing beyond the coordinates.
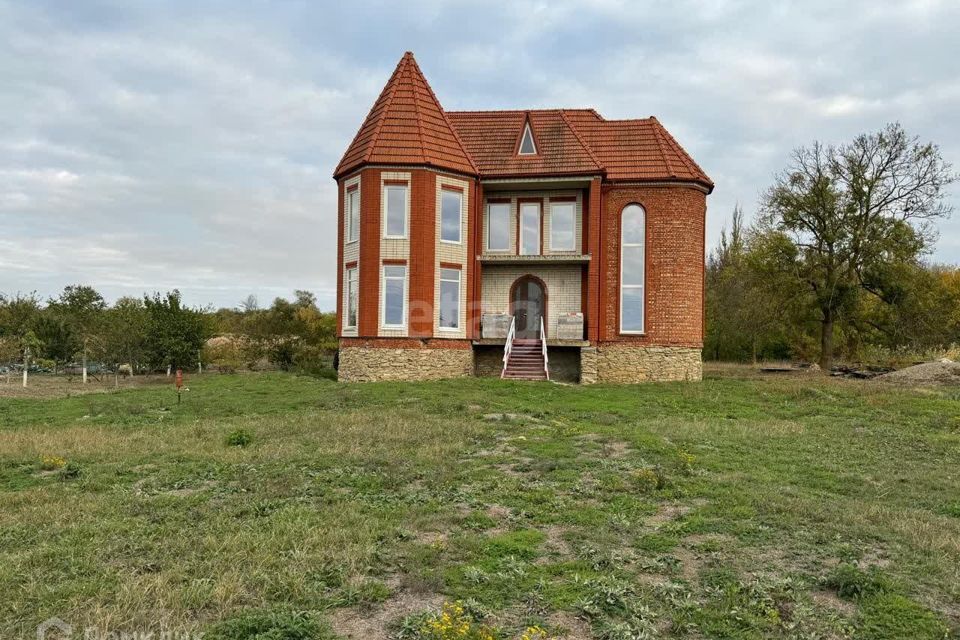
(527, 147)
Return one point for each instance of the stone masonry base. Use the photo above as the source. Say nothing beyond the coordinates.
(629, 363)
(370, 364)
(616, 363)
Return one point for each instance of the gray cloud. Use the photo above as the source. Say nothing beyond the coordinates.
(191, 145)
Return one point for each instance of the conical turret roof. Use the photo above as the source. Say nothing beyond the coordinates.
(407, 126)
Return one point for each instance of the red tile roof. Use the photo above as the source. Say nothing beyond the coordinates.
(493, 138)
(407, 125)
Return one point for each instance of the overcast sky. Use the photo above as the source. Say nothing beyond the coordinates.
(148, 146)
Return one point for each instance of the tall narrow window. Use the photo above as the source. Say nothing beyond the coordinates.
(498, 226)
(394, 295)
(450, 299)
(353, 215)
(352, 298)
(527, 147)
(451, 215)
(632, 230)
(530, 228)
(563, 226)
(395, 196)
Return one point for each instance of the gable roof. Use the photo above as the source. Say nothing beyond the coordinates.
(493, 139)
(407, 125)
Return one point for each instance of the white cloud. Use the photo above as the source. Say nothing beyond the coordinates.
(191, 145)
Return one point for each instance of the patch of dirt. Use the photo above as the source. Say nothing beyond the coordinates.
(690, 563)
(508, 470)
(432, 537)
(943, 372)
(498, 512)
(615, 449)
(555, 541)
(372, 623)
(830, 600)
(509, 417)
(667, 513)
(567, 625)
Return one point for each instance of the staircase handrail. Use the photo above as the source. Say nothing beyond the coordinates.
(508, 345)
(543, 347)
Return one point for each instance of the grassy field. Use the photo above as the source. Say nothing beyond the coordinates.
(272, 506)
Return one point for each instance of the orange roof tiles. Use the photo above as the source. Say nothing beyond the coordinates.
(407, 126)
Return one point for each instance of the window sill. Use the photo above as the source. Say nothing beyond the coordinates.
(453, 242)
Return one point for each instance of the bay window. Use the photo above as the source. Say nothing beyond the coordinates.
(450, 299)
(394, 295)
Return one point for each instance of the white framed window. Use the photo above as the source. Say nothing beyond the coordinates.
(352, 295)
(353, 215)
(632, 268)
(527, 145)
(395, 225)
(529, 228)
(498, 226)
(450, 299)
(395, 295)
(563, 226)
(451, 215)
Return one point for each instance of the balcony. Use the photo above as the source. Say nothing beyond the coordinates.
(552, 258)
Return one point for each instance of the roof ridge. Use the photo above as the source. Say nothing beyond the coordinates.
(443, 113)
(583, 143)
(502, 111)
(416, 111)
(386, 105)
(685, 157)
(663, 152)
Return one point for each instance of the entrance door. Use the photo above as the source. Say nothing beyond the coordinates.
(528, 303)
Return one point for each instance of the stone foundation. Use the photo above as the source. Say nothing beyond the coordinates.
(630, 363)
(371, 364)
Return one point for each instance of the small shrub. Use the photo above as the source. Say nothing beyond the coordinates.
(853, 583)
(648, 480)
(269, 625)
(454, 623)
(685, 461)
(69, 471)
(239, 438)
(52, 463)
(894, 616)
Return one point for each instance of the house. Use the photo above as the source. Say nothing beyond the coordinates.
(522, 244)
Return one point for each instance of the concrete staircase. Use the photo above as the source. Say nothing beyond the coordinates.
(525, 361)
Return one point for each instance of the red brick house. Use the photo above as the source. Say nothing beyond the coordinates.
(516, 243)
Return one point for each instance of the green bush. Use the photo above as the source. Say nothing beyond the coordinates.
(69, 471)
(886, 616)
(852, 582)
(239, 438)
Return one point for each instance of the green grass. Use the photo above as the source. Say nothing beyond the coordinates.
(276, 506)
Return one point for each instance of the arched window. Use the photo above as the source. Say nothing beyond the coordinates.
(632, 272)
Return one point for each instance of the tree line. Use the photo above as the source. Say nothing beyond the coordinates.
(835, 264)
(156, 332)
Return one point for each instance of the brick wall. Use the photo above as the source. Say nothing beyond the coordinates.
(675, 217)
(562, 282)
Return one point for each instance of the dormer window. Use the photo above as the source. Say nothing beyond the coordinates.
(527, 147)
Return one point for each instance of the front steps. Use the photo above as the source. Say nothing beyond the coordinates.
(525, 361)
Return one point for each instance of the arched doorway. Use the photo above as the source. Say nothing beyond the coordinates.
(528, 304)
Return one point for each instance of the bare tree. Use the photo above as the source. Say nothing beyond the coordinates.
(849, 211)
(249, 303)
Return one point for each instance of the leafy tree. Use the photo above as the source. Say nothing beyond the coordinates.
(173, 333)
(124, 333)
(79, 312)
(19, 317)
(841, 217)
